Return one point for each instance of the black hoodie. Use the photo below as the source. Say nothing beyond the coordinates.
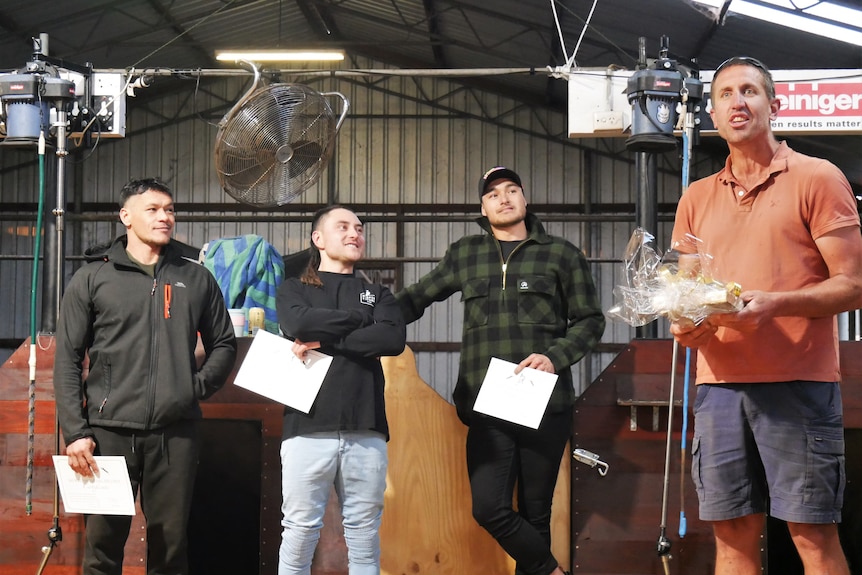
(356, 322)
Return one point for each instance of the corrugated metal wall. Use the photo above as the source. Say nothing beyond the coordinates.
(394, 150)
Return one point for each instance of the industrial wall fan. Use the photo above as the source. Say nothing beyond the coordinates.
(275, 142)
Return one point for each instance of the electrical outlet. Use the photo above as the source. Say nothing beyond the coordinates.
(603, 121)
(107, 109)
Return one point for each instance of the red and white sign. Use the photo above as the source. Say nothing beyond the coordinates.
(823, 102)
(816, 101)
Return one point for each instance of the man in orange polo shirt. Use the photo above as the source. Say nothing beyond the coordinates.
(768, 418)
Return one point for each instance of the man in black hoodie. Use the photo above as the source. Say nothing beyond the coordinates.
(136, 316)
(342, 440)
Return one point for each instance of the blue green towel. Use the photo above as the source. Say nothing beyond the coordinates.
(248, 270)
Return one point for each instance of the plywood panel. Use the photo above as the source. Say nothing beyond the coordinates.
(427, 523)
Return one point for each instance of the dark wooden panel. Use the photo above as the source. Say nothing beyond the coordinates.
(851, 387)
(643, 388)
(691, 556)
(851, 524)
(851, 360)
(226, 501)
(269, 415)
(616, 519)
(14, 416)
(13, 449)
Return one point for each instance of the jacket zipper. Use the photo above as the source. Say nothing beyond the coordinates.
(154, 331)
(506, 263)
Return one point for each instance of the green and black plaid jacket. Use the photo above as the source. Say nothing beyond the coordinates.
(542, 300)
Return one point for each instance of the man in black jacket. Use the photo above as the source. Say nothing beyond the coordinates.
(136, 316)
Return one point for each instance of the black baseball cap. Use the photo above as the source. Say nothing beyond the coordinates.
(496, 174)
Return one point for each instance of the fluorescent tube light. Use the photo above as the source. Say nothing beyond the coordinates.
(815, 19)
(280, 55)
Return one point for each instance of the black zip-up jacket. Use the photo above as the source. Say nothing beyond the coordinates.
(140, 333)
(356, 322)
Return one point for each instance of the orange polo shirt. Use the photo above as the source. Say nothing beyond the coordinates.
(763, 239)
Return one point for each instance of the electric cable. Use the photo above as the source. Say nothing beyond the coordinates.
(688, 129)
(683, 526)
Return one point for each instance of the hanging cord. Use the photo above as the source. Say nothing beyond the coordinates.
(186, 31)
(559, 30)
(31, 408)
(570, 60)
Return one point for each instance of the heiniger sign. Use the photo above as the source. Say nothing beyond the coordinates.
(816, 101)
(825, 102)
(819, 106)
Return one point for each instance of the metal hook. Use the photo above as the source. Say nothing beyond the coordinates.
(591, 459)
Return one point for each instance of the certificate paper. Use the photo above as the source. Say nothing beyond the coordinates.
(520, 398)
(109, 493)
(272, 370)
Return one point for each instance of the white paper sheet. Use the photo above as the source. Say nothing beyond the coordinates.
(520, 398)
(109, 493)
(272, 370)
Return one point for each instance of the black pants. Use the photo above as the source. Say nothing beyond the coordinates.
(162, 463)
(498, 455)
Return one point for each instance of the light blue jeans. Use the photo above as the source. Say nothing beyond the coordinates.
(355, 463)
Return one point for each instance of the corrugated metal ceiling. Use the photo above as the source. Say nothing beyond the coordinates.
(420, 34)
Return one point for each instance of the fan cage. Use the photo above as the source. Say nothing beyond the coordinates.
(275, 144)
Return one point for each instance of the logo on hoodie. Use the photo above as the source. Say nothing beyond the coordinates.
(367, 298)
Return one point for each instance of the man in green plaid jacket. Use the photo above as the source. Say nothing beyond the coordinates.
(529, 299)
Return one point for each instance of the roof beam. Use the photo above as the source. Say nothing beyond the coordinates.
(434, 32)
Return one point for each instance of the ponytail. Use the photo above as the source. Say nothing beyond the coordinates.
(310, 275)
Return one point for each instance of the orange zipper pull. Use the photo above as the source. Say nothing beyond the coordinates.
(167, 300)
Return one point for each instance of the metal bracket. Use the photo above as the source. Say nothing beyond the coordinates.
(591, 459)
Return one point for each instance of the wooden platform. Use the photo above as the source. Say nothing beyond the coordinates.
(601, 525)
(235, 525)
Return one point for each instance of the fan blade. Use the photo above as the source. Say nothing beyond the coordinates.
(305, 154)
